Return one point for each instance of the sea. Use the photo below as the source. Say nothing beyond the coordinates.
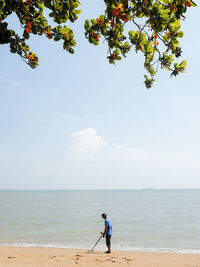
(142, 220)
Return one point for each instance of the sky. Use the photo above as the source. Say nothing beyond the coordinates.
(77, 122)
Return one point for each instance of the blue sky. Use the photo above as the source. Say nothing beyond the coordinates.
(77, 122)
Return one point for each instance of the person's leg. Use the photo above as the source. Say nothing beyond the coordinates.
(108, 243)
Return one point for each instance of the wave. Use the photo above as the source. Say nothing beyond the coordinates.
(101, 247)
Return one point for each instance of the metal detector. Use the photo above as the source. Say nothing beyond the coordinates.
(97, 241)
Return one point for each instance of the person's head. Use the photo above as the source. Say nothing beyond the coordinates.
(104, 216)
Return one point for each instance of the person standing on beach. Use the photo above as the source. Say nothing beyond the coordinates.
(107, 232)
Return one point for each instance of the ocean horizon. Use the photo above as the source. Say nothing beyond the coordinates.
(146, 219)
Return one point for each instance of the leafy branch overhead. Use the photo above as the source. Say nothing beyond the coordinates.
(155, 29)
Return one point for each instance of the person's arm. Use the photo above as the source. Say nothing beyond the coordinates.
(105, 230)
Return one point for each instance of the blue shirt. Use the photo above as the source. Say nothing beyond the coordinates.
(109, 225)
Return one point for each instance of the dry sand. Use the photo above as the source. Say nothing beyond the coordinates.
(39, 257)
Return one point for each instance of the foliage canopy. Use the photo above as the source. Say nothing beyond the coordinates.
(156, 29)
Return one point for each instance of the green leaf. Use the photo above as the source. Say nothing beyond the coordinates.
(94, 22)
(175, 66)
(175, 26)
(87, 25)
(180, 34)
(102, 18)
(77, 11)
(126, 44)
(131, 34)
(183, 64)
(192, 3)
(65, 30)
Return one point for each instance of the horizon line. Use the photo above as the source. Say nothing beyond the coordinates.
(100, 189)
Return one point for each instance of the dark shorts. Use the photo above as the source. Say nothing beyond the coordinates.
(108, 238)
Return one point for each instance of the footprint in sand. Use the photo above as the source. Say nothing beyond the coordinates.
(11, 257)
(97, 260)
(77, 257)
(129, 261)
(51, 257)
(112, 260)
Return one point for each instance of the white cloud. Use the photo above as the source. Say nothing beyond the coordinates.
(86, 143)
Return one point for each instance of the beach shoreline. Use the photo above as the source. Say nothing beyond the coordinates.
(66, 257)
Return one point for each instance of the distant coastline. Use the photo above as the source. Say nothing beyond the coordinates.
(109, 189)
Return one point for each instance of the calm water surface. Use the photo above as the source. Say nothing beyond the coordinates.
(157, 220)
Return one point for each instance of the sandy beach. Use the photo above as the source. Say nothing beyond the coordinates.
(32, 257)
